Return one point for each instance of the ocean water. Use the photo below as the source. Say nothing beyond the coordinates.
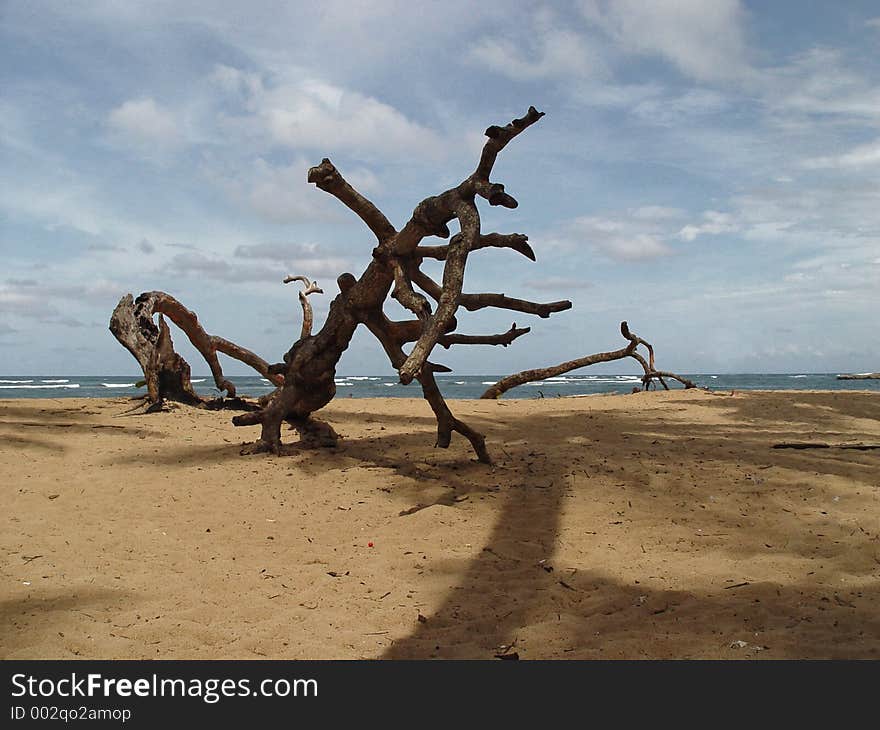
(453, 386)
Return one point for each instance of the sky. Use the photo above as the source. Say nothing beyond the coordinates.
(706, 170)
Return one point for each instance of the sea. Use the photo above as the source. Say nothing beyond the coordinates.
(453, 386)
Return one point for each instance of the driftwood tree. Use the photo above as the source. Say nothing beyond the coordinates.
(166, 373)
(306, 376)
(631, 350)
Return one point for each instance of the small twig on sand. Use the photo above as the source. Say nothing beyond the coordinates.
(823, 445)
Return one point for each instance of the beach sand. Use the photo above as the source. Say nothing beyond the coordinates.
(654, 525)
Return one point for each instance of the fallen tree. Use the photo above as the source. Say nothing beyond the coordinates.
(167, 374)
(631, 350)
(306, 375)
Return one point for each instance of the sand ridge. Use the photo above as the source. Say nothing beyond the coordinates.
(656, 525)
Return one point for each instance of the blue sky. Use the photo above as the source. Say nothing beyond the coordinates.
(707, 170)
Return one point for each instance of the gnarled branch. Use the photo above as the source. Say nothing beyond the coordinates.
(407, 296)
(516, 241)
(430, 217)
(473, 302)
(498, 139)
(503, 339)
(306, 375)
(382, 329)
(528, 376)
(453, 280)
(326, 177)
(310, 288)
(132, 324)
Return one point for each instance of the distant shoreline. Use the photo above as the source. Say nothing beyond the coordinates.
(454, 386)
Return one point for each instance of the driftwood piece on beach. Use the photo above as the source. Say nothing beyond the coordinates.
(167, 374)
(650, 372)
(823, 445)
(305, 377)
(309, 366)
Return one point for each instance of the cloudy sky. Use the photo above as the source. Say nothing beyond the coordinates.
(707, 170)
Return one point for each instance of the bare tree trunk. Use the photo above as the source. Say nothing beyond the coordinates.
(310, 365)
(306, 375)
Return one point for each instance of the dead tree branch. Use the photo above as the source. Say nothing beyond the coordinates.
(529, 376)
(515, 241)
(306, 375)
(310, 365)
(167, 373)
(503, 339)
(309, 288)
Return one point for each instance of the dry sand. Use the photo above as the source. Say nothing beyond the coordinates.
(657, 525)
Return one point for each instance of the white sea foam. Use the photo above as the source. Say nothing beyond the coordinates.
(197, 380)
(63, 380)
(23, 387)
(459, 382)
(798, 376)
(118, 385)
(16, 381)
(390, 385)
(488, 382)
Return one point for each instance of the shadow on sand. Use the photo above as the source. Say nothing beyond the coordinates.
(597, 617)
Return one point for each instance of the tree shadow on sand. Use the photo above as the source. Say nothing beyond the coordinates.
(27, 620)
(513, 598)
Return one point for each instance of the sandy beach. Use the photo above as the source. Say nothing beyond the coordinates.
(653, 525)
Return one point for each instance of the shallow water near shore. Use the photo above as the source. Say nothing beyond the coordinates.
(454, 386)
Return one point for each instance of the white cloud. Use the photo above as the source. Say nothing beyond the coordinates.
(705, 39)
(683, 109)
(559, 284)
(307, 113)
(51, 302)
(656, 213)
(819, 85)
(713, 224)
(275, 193)
(281, 193)
(216, 268)
(21, 302)
(861, 156)
(145, 122)
(548, 50)
(619, 239)
(276, 251)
